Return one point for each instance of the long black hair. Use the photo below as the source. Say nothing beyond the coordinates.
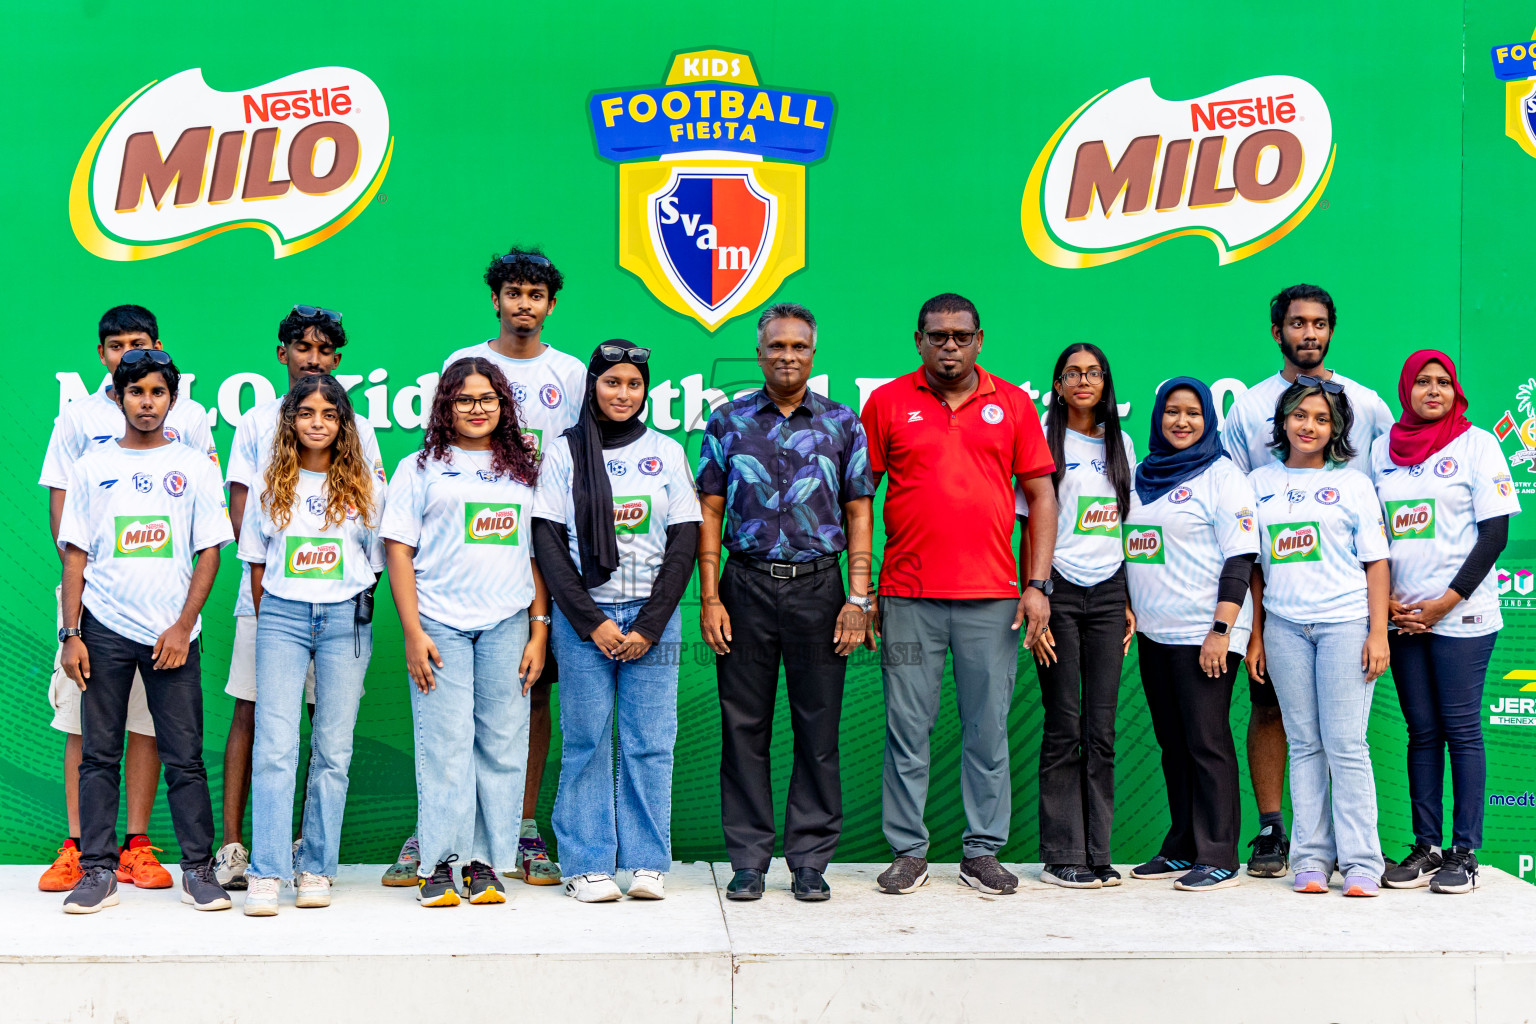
(1116, 466)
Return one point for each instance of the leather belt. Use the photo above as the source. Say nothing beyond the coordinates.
(788, 570)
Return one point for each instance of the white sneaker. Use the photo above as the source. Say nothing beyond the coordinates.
(648, 885)
(229, 865)
(314, 891)
(593, 888)
(261, 897)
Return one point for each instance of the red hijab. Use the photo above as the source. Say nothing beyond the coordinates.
(1414, 438)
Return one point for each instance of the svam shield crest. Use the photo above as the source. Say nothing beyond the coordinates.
(712, 229)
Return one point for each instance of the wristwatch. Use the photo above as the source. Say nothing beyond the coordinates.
(861, 602)
(67, 632)
(540, 618)
(1221, 628)
(1046, 587)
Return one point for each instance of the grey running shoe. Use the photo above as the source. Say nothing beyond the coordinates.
(985, 874)
(439, 890)
(201, 890)
(96, 889)
(906, 874)
(406, 867)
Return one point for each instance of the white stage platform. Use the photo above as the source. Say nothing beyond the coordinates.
(1141, 952)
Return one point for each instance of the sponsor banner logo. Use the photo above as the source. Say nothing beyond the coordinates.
(711, 181)
(1414, 518)
(1294, 542)
(1099, 516)
(1519, 93)
(178, 162)
(1242, 167)
(631, 515)
(489, 522)
(142, 537)
(1516, 710)
(1144, 544)
(1521, 426)
(1515, 587)
(314, 558)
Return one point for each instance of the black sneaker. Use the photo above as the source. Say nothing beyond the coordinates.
(1204, 878)
(96, 889)
(1161, 867)
(1071, 876)
(481, 884)
(1458, 872)
(809, 885)
(746, 884)
(985, 874)
(1271, 853)
(201, 890)
(1108, 876)
(906, 874)
(438, 890)
(1416, 869)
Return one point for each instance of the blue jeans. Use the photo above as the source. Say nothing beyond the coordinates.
(604, 825)
(288, 635)
(471, 745)
(1440, 687)
(1326, 703)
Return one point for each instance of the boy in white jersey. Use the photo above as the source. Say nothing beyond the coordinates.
(548, 385)
(309, 341)
(90, 424)
(141, 530)
(1302, 319)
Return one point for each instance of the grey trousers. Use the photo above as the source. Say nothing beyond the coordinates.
(986, 659)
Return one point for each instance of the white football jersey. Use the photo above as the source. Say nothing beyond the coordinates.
(89, 424)
(1088, 542)
(1175, 549)
(140, 515)
(1317, 528)
(309, 560)
(1432, 512)
(1250, 425)
(549, 389)
(652, 489)
(472, 531)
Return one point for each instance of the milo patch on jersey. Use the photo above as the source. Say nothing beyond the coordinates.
(489, 522)
(1144, 544)
(142, 537)
(1097, 516)
(1294, 542)
(313, 558)
(632, 514)
(533, 440)
(1413, 519)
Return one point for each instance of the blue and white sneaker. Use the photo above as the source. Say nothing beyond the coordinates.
(1204, 878)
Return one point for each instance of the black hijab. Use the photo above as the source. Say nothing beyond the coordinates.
(591, 492)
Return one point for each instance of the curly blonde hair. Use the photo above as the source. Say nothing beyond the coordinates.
(348, 483)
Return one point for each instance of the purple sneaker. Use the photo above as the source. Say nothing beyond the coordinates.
(1361, 885)
(1310, 881)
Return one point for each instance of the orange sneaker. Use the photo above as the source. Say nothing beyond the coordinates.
(137, 866)
(64, 872)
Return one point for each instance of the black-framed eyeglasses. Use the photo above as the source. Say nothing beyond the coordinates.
(525, 257)
(154, 355)
(620, 354)
(317, 313)
(938, 339)
(1071, 377)
(467, 403)
(1333, 387)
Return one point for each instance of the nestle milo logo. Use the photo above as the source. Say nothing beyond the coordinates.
(1097, 515)
(631, 514)
(1414, 518)
(142, 537)
(315, 558)
(1144, 544)
(1294, 542)
(487, 522)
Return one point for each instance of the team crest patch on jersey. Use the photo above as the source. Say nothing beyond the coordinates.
(142, 537)
(519, 393)
(1504, 485)
(1446, 467)
(1100, 516)
(314, 558)
(1144, 544)
(1099, 466)
(378, 470)
(1413, 519)
(650, 465)
(1295, 494)
(1244, 519)
(486, 475)
(1180, 495)
(1327, 495)
(175, 483)
(617, 467)
(550, 396)
(492, 522)
(1294, 542)
(316, 506)
(631, 514)
(172, 434)
(992, 413)
(1416, 470)
(143, 483)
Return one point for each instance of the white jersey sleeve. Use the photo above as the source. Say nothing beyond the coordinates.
(64, 448)
(552, 495)
(1232, 512)
(253, 534)
(682, 494)
(404, 504)
(1370, 527)
(75, 522)
(1234, 437)
(210, 512)
(1493, 490)
(244, 455)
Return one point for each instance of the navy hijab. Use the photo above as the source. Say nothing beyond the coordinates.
(1165, 467)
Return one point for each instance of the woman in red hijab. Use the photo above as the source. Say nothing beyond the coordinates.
(1447, 494)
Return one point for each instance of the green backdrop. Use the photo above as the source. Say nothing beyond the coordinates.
(940, 116)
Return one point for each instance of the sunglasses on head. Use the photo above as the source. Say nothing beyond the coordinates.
(154, 355)
(620, 354)
(317, 312)
(525, 257)
(1333, 387)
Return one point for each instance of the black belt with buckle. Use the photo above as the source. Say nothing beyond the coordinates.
(788, 570)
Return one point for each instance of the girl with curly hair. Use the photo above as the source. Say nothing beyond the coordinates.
(476, 620)
(313, 545)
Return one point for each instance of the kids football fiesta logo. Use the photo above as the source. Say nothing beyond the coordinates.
(711, 181)
(177, 162)
(1241, 166)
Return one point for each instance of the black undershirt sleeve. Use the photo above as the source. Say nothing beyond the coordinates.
(1235, 576)
(551, 546)
(1492, 535)
(671, 580)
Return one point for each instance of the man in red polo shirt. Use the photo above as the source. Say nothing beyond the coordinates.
(952, 439)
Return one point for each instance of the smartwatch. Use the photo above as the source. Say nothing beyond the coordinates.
(1046, 587)
(67, 632)
(861, 602)
(1221, 628)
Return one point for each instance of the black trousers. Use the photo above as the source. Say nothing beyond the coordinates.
(1190, 718)
(175, 698)
(792, 620)
(1080, 692)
